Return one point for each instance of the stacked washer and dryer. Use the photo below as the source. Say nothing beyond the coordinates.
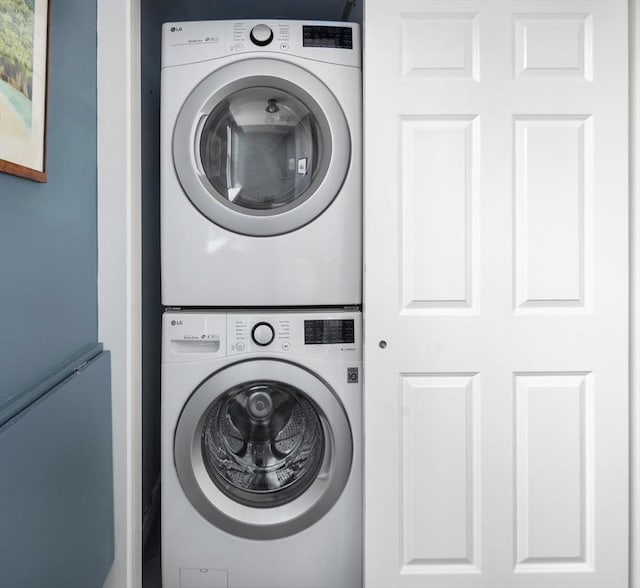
(261, 242)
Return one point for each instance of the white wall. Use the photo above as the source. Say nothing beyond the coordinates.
(119, 312)
(634, 37)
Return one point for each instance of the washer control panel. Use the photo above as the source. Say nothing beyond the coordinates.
(263, 334)
(193, 334)
(197, 335)
(295, 333)
(329, 331)
(251, 333)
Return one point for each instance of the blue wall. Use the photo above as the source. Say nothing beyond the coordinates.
(56, 486)
(56, 474)
(48, 242)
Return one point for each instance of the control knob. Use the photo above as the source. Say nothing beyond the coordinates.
(263, 334)
(261, 35)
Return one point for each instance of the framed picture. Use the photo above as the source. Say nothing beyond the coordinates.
(24, 42)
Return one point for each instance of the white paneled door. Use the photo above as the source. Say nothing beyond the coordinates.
(496, 298)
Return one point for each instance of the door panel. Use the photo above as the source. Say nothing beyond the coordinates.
(554, 445)
(496, 272)
(438, 209)
(553, 205)
(440, 467)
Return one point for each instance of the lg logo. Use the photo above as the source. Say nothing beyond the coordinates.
(174, 29)
(174, 323)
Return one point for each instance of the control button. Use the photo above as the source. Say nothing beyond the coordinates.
(239, 46)
(284, 46)
(261, 35)
(239, 346)
(286, 346)
(263, 334)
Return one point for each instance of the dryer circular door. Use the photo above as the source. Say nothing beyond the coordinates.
(263, 448)
(261, 147)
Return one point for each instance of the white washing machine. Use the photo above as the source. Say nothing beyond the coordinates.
(261, 187)
(262, 450)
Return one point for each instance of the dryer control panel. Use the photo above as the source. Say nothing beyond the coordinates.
(334, 42)
(327, 36)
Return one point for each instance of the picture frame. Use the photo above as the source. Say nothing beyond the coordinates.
(24, 61)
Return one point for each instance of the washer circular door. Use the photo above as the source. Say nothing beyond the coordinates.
(261, 147)
(263, 448)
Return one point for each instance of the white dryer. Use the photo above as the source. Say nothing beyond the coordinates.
(261, 187)
(262, 450)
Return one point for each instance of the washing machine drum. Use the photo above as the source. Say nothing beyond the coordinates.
(263, 448)
(263, 443)
(261, 147)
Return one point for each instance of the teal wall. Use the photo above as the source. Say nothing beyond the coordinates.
(48, 240)
(56, 486)
(56, 474)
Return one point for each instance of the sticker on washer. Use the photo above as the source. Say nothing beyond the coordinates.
(352, 375)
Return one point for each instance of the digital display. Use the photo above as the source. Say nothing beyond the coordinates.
(328, 37)
(322, 332)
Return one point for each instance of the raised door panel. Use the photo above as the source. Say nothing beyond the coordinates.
(439, 46)
(553, 171)
(440, 472)
(554, 45)
(554, 445)
(438, 187)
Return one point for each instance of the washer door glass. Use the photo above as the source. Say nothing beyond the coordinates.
(263, 443)
(263, 448)
(260, 148)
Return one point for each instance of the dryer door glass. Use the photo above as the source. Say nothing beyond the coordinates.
(261, 148)
(263, 443)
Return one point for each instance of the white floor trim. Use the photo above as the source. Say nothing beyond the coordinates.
(119, 260)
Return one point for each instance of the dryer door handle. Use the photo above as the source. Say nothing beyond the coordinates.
(197, 139)
(230, 182)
